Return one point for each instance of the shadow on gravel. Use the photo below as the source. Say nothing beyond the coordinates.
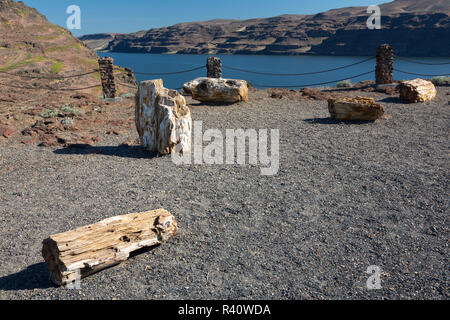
(394, 100)
(134, 152)
(35, 276)
(212, 104)
(334, 121)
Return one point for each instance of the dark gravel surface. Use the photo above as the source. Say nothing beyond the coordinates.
(347, 196)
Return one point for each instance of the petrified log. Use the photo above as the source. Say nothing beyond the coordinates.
(217, 90)
(417, 90)
(81, 252)
(163, 120)
(357, 109)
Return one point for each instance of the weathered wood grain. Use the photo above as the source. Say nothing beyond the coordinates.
(89, 249)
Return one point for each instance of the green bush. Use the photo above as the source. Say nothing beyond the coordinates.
(67, 108)
(440, 80)
(49, 113)
(344, 84)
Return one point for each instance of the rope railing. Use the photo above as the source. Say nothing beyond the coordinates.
(48, 88)
(420, 62)
(50, 77)
(134, 86)
(314, 84)
(168, 73)
(299, 74)
(421, 74)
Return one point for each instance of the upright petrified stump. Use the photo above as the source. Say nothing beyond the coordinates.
(163, 120)
(81, 252)
(385, 65)
(106, 68)
(417, 90)
(355, 109)
(214, 67)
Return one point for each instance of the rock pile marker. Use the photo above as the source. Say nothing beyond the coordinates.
(78, 253)
(214, 68)
(385, 65)
(106, 66)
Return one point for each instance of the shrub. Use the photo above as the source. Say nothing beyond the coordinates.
(49, 113)
(67, 108)
(344, 84)
(67, 122)
(440, 80)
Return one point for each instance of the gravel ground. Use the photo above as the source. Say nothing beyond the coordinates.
(347, 196)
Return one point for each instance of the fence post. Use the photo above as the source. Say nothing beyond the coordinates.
(107, 76)
(385, 65)
(214, 67)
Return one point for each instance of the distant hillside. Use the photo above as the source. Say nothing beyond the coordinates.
(411, 27)
(30, 43)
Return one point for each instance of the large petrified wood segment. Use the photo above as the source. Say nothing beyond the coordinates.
(89, 249)
(217, 90)
(163, 120)
(417, 90)
(355, 109)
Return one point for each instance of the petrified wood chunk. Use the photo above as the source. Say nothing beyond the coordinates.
(86, 250)
(359, 108)
(163, 120)
(217, 90)
(417, 90)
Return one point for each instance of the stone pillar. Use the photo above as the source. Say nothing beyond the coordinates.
(385, 64)
(214, 67)
(106, 67)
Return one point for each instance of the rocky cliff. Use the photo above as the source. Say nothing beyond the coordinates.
(412, 27)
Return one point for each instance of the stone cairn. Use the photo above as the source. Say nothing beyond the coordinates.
(107, 76)
(385, 65)
(214, 67)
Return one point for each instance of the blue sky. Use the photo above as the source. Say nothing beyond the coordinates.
(98, 16)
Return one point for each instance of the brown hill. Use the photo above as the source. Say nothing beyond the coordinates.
(33, 52)
(412, 27)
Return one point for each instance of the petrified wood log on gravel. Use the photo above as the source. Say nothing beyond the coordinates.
(217, 90)
(417, 90)
(81, 252)
(355, 109)
(163, 120)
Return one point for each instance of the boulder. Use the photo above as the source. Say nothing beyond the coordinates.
(359, 109)
(163, 120)
(217, 90)
(417, 90)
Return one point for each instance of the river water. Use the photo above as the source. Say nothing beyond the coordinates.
(159, 63)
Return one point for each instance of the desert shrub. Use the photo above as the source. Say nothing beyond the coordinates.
(67, 108)
(49, 113)
(344, 84)
(67, 122)
(440, 80)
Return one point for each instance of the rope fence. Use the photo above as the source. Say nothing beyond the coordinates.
(384, 69)
(315, 84)
(422, 75)
(423, 63)
(299, 74)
